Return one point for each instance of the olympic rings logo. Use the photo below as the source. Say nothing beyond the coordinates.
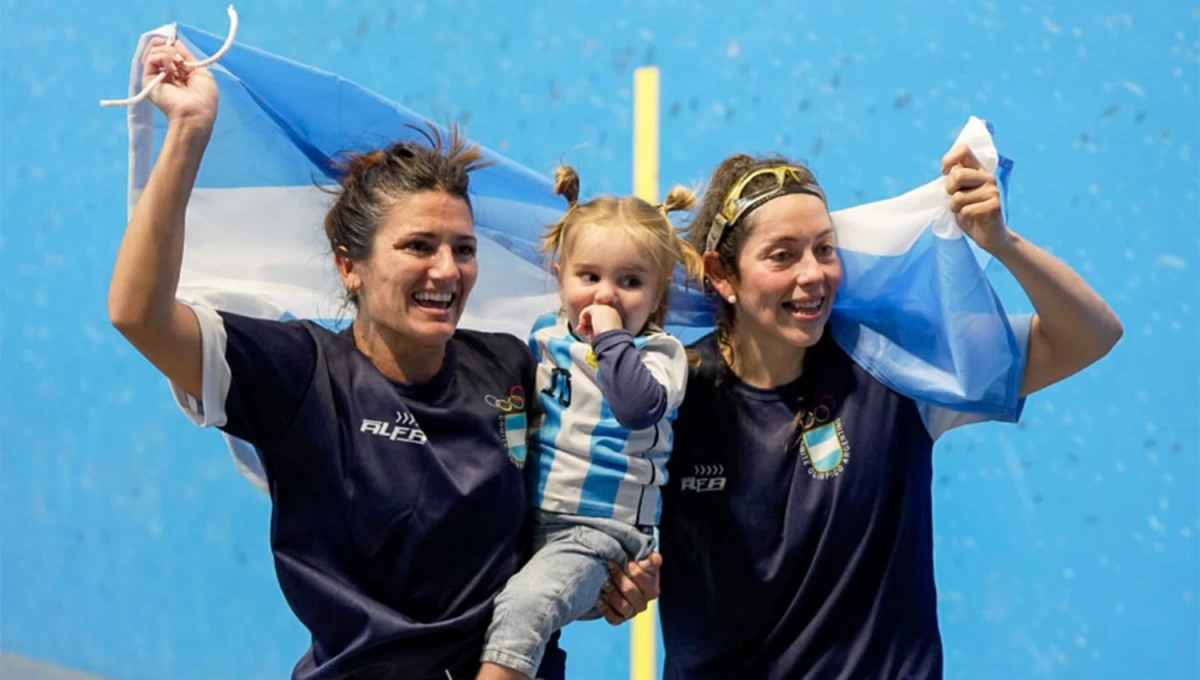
(819, 415)
(515, 401)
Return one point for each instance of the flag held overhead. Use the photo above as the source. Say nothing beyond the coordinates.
(915, 309)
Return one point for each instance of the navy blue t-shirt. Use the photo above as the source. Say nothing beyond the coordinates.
(397, 509)
(799, 556)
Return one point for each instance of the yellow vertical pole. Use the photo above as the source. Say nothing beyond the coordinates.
(645, 133)
(643, 634)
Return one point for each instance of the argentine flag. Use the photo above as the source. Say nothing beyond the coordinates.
(915, 309)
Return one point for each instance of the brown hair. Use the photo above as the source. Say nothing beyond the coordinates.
(727, 174)
(648, 225)
(372, 181)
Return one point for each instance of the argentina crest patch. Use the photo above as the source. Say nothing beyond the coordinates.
(826, 451)
(513, 424)
(514, 427)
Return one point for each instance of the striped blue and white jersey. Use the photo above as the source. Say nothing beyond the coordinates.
(583, 460)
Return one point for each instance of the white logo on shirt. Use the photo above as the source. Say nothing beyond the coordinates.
(405, 429)
(706, 479)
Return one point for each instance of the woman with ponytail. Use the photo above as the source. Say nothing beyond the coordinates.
(797, 537)
(393, 450)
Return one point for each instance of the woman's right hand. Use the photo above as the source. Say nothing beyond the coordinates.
(188, 96)
(628, 592)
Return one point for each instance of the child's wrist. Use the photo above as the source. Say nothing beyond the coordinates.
(607, 336)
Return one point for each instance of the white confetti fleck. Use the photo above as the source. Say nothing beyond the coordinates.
(1172, 261)
(1164, 504)
(1051, 26)
(1135, 88)
(733, 50)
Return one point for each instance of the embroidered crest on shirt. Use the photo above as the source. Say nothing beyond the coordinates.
(513, 424)
(405, 429)
(823, 442)
(826, 451)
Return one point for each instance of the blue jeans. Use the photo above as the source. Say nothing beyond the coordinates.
(560, 583)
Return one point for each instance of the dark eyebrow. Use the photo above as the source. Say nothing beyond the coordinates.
(432, 235)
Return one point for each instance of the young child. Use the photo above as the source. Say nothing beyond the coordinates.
(609, 382)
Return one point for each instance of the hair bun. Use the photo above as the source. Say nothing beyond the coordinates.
(566, 184)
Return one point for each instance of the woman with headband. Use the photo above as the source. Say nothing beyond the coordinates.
(797, 528)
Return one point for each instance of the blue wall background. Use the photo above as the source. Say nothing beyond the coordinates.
(1067, 546)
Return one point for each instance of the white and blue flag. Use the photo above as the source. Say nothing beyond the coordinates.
(915, 309)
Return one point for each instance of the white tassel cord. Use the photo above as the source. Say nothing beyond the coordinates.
(233, 25)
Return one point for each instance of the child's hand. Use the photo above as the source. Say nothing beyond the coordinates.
(596, 319)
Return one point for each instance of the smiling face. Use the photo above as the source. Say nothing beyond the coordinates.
(788, 273)
(420, 271)
(607, 266)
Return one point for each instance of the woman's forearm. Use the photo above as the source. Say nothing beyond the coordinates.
(142, 293)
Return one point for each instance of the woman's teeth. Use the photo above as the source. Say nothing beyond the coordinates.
(438, 300)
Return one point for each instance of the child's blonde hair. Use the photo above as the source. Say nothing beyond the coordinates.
(646, 224)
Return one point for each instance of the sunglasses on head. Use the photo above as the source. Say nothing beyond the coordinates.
(736, 206)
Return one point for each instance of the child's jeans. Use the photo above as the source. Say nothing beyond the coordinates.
(560, 583)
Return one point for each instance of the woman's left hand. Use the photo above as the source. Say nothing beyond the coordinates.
(628, 593)
(975, 199)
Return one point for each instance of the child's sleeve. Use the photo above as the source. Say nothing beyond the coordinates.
(643, 378)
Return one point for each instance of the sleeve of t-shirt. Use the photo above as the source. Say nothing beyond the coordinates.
(641, 385)
(529, 366)
(939, 420)
(255, 375)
